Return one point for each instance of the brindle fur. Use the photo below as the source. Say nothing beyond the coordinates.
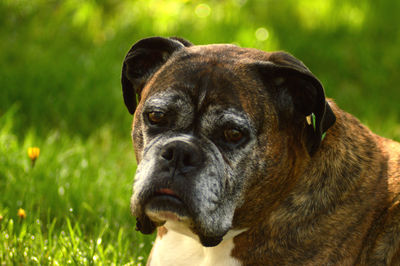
(340, 207)
(302, 201)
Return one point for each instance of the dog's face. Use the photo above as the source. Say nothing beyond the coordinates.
(205, 124)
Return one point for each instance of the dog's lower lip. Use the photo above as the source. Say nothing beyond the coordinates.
(166, 204)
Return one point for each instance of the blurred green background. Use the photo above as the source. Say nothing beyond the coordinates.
(60, 61)
(60, 64)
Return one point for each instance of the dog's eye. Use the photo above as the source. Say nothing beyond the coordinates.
(233, 135)
(156, 117)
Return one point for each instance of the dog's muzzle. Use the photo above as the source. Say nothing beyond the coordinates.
(180, 179)
(177, 162)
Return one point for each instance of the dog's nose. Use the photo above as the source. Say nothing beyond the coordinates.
(182, 156)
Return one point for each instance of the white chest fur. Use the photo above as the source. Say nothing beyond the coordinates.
(177, 249)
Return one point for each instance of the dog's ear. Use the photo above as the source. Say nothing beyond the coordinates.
(299, 96)
(142, 61)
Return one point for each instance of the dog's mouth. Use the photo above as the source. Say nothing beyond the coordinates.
(158, 206)
(165, 204)
(175, 205)
(167, 192)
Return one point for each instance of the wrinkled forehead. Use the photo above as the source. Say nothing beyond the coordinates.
(206, 81)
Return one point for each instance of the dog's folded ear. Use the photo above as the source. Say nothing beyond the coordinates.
(142, 61)
(298, 94)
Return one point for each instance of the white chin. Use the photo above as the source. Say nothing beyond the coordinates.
(172, 221)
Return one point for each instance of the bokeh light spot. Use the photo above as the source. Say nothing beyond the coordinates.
(262, 34)
(202, 10)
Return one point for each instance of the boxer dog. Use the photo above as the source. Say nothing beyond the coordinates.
(243, 161)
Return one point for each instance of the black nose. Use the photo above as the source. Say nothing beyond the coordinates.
(181, 156)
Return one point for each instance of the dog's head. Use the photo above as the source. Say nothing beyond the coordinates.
(207, 121)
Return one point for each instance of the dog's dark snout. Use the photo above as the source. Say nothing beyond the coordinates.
(182, 155)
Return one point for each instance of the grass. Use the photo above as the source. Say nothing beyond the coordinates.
(76, 200)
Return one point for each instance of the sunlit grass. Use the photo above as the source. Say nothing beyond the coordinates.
(73, 206)
(41, 243)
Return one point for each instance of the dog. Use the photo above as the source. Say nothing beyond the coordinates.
(243, 161)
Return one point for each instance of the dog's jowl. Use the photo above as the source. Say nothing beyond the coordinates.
(243, 161)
